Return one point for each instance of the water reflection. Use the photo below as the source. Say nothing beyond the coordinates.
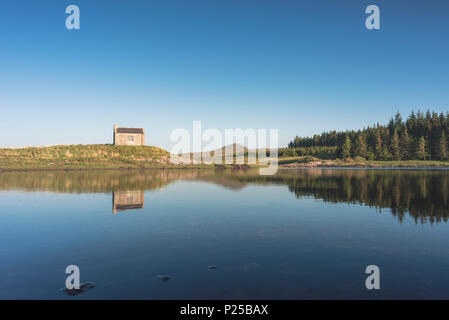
(423, 194)
(127, 200)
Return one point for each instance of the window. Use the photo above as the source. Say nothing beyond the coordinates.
(130, 138)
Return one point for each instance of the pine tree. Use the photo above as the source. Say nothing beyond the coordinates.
(421, 149)
(378, 147)
(360, 146)
(386, 155)
(381, 142)
(397, 119)
(346, 148)
(442, 149)
(395, 146)
(405, 145)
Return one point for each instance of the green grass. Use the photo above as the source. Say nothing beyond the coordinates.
(303, 159)
(409, 163)
(365, 163)
(83, 156)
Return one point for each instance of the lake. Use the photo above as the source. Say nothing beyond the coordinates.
(223, 234)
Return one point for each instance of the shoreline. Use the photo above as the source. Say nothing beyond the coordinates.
(406, 164)
(211, 167)
(109, 157)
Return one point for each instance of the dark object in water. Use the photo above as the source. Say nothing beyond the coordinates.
(83, 288)
(163, 277)
(212, 267)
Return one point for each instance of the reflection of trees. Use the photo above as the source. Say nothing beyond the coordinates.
(423, 194)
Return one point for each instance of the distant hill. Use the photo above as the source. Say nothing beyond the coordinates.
(234, 147)
(226, 150)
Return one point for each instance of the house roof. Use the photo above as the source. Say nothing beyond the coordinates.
(130, 130)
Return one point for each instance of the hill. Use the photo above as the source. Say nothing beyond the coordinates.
(226, 150)
(82, 156)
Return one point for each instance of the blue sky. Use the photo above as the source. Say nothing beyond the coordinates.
(300, 66)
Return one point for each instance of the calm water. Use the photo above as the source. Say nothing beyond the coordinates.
(300, 234)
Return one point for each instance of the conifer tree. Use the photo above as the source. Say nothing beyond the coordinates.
(442, 149)
(378, 147)
(405, 144)
(381, 141)
(386, 155)
(421, 149)
(395, 150)
(360, 146)
(346, 148)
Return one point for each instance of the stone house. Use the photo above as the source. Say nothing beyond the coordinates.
(128, 136)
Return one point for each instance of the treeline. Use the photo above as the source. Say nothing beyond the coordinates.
(322, 152)
(422, 136)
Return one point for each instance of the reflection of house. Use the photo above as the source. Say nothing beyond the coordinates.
(129, 136)
(127, 200)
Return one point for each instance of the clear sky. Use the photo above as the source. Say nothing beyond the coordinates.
(300, 66)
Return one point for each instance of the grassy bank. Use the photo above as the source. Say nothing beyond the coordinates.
(308, 161)
(82, 157)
